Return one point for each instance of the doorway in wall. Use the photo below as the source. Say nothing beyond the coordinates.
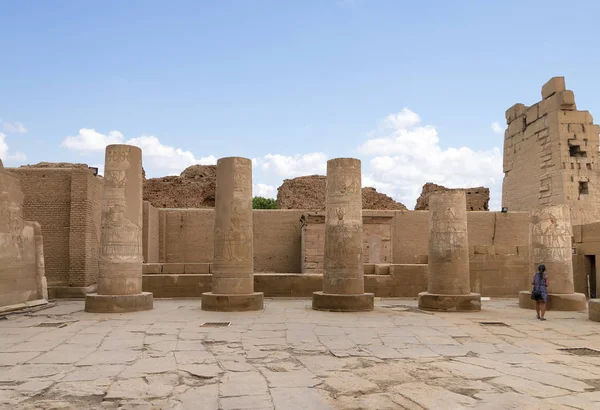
(590, 273)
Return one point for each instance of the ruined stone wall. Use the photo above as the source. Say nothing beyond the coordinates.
(586, 259)
(19, 276)
(477, 198)
(150, 238)
(550, 155)
(377, 240)
(47, 200)
(498, 246)
(292, 242)
(186, 236)
(66, 202)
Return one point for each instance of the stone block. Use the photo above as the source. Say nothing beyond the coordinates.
(532, 114)
(95, 303)
(564, 302)
(514, 112)
(343, 303)
(382, 269)
(369, 269)
(176, 285)
(151, 268)
(173, 268)
(594, 310)
(564, 100)
(514, 128)
(575, 117)
(450, 303)
(70, 292)
(554, 85)
(578, 233)
(197, 268)
(232, 303)
(576, 128)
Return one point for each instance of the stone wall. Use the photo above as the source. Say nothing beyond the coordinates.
(66, 202)
(21, 253)
(186, 236)
(586, 259)
(478, 199)
(550, 155)
(395, 246)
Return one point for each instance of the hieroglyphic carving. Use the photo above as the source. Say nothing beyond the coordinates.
(233, 242)
(448, 232)
(343, 258)
(120, 238)
(550, 235)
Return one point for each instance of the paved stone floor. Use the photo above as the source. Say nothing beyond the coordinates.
(291, 357)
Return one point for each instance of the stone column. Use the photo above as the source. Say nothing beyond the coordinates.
(343, 280)
(448, 279)
(120, 262)
(233, 262)
(550, 233)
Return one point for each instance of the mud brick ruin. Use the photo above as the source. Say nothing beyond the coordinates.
(93, 237)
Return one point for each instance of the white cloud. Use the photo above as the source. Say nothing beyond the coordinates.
(497, 128)
(264, 190)
(88, 140)
(14, 127)
(293, 166)
(4, 154)
(406, 155)
(159, 159)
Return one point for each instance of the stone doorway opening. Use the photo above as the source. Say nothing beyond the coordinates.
(590, 273)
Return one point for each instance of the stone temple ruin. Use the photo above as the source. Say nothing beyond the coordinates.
(550, 151)
(66, 232)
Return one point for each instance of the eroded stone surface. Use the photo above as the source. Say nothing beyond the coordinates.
(289, 356)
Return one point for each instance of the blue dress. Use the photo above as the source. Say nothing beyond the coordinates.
(539, 284)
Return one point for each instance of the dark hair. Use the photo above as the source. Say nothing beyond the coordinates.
(541, 270)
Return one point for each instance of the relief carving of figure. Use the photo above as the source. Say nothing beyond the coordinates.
(115, 178)
(121, 239)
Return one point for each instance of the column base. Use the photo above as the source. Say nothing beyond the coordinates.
(594, 310)
(95, 303)
(343, 303)
(232, 302)
(450, 303)
(568, 302)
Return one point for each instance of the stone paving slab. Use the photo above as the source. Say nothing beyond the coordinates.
(289, 357)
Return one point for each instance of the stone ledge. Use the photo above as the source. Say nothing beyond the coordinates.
(95, 303)
(343, 303)
(594, 310)
(450, 303)
(68, 292)
(569, 302)
(232, 303)
(24, 305)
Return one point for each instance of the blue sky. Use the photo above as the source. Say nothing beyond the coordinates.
(410, 88)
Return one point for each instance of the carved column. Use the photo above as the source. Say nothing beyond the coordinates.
(233, 263)
(448, 280)
(550, 233)
(120, 262)
(343, 280)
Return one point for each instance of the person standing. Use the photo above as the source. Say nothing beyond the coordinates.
(540, 291)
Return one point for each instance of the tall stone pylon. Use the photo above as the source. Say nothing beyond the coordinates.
(550, 233)
(343, 280)
(120, 262)
(448, 279)
(233, 264)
